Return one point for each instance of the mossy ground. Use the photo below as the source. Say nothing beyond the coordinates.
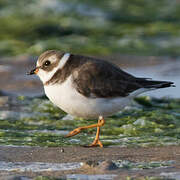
(149, 122)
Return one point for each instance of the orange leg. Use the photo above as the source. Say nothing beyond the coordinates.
(98, 125)
(96, 141)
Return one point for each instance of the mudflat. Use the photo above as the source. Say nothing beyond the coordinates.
(93, 160)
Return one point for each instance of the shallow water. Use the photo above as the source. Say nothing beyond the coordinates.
(37, 166)
(173, 175)
(91, 177)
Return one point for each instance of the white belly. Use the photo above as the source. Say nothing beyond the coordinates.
(68, 99)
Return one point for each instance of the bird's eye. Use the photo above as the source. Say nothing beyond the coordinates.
(47, 63)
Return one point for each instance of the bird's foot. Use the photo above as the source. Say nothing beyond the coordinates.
(74, 132)
(95, 143)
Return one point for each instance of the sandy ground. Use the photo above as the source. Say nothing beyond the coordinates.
(91, 158)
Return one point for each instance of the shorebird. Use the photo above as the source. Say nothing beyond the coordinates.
(88, 87)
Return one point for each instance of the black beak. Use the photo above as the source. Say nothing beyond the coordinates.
(31, 72)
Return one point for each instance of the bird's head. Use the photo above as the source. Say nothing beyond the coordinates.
(48, 63)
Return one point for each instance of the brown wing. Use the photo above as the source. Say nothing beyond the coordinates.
(102, 79)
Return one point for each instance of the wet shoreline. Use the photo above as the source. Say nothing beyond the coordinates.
(92, 160)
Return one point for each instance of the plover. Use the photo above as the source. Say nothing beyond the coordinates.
(88, 87)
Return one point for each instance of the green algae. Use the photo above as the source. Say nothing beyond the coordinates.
(121, 26)
(150, 122)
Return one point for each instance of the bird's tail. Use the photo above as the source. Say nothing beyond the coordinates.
(147, 83)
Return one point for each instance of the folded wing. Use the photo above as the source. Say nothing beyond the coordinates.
(105, 80)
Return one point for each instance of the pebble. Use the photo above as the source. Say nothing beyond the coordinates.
(62, 150)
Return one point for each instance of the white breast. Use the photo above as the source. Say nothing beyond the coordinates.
(66, 97)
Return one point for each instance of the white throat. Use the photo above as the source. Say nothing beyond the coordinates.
(46, 76)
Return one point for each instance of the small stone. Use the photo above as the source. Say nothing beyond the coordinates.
(92, 163)
(62, 150)
(107, 165)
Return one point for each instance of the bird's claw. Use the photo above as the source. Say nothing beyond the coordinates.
(74, 132)
(95, 143)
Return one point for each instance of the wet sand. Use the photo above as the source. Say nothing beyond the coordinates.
(94, 160)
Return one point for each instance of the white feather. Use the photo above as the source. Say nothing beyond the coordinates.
(140, 91)
(68, 99)
(63, 60)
